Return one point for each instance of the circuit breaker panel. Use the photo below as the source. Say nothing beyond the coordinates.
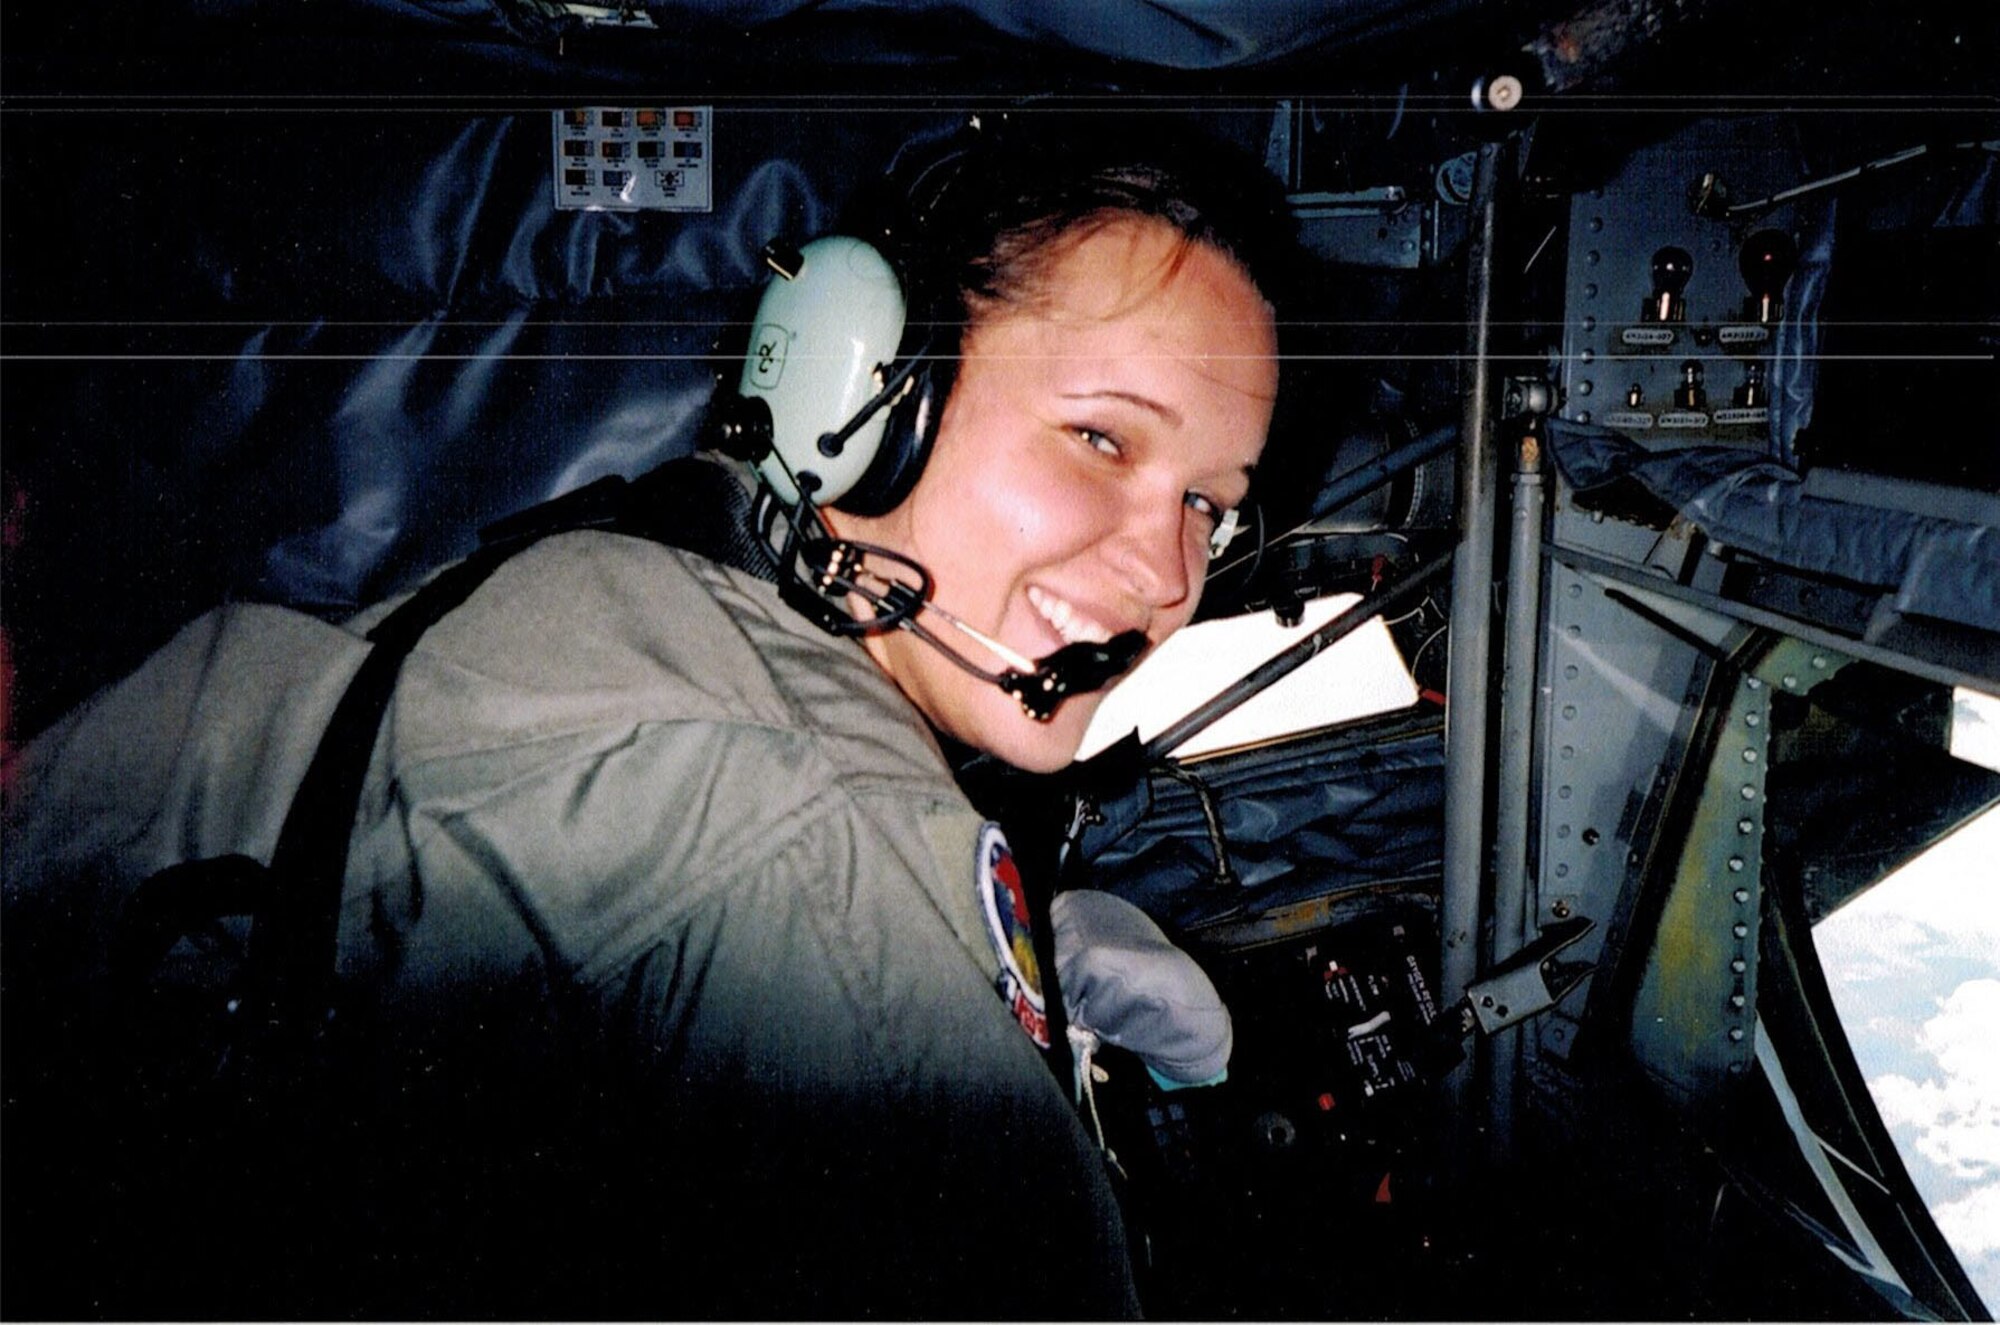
(633, 158)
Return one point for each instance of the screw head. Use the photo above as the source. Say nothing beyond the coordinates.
(1504, 92)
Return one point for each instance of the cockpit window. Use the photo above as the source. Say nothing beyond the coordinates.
(1913, 966)
(1362, 675)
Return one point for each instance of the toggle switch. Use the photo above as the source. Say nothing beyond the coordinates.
(1752, 394)
(1767, 261)
(1690, 394)
(1635, 396)
(1671, 269)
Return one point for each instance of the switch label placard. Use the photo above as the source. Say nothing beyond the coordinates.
(633, 158)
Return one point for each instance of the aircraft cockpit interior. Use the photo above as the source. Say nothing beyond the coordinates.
(1622, 626)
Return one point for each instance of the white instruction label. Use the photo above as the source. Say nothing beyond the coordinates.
(1742, 335)
(1649, 337)
(1629, 420)
(633, 158)
(1733, 418)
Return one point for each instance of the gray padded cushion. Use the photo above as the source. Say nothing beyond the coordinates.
(1125, 981)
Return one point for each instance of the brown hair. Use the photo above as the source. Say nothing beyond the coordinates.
(995, 210)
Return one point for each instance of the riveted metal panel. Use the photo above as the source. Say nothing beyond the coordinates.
(1694, 1014)
(1623, 362)
(1613, 724)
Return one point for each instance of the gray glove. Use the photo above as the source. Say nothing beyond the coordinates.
(1124, 982)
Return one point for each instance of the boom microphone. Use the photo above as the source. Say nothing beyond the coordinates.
(819, 573)
(1074, 669)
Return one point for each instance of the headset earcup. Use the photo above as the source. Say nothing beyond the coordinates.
(909, 431)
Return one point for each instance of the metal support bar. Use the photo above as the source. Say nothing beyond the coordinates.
(1521, 633)
(1522, 636)
(1403, 591)
(1470, 638)
(1365, 478)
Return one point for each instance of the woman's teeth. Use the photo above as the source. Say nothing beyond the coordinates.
(1066, 620)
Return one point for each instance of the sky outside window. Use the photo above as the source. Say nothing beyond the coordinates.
(1913, 965)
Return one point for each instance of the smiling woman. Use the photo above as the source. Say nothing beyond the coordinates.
(676, 975)
(1084, 462)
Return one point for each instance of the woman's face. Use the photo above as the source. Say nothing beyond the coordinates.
(1087, 447)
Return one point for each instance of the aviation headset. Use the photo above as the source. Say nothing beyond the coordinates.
(852, 354)
(854, 349)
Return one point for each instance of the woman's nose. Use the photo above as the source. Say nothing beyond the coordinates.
(1151, 552)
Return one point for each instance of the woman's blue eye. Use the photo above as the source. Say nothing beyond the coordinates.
(1102, 443)
(1207, 506)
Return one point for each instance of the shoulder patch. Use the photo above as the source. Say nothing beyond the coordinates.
(1005, 904)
